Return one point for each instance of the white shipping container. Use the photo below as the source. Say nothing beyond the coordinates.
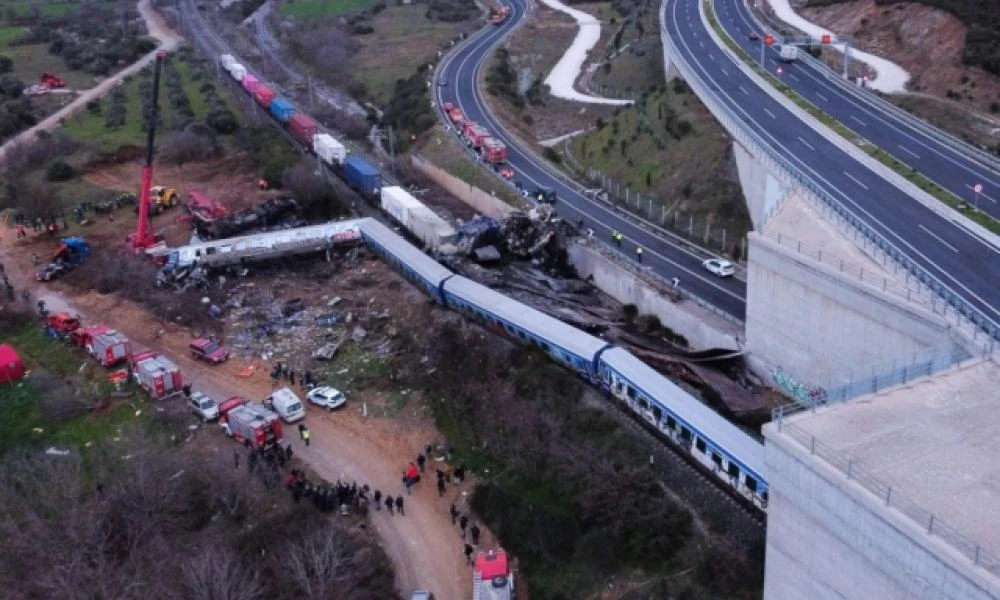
(329, 149)
(419, 220)
(227, 61)
(237, 71)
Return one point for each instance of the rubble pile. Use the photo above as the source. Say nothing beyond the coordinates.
(269, 213)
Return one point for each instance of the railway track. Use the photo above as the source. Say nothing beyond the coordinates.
(689, 480)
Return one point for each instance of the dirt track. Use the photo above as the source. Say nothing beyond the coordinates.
(426, 550)
(157, 28)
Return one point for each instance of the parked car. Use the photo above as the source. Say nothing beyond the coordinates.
(203, 406)
(51, 272)
(326, 397)
(421, 596)
(209, 351)
(720, 267)
(286, 404)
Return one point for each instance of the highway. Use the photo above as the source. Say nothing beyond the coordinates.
(964, 263)
(934, 155)
(460, 71)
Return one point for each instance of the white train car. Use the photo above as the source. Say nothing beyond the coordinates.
(419, 220)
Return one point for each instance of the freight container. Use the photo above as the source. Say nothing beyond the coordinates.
(238, 71)
(329, 149)
(494, 151)
(158, 376)
(281, 109)
(362, 176)
(110, 348)
(250, 83)
(227, 61)
(263, 95)
(422, 222)
(303, 128)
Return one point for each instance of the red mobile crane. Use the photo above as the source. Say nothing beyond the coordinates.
(143, 237)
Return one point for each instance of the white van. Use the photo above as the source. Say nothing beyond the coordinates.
(286, 404)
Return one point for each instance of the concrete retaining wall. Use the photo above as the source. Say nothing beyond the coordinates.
(821, 326)
(486, 204)
(702, 329)
(828, 538)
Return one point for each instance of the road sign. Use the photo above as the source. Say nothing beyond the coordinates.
(768, 40)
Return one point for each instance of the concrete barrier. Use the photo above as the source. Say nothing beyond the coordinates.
(486, 204)
(702, 328)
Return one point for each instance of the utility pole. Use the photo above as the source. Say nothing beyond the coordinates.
(392, 152)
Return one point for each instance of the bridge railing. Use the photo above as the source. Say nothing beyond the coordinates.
(856, 472)
(817, 193)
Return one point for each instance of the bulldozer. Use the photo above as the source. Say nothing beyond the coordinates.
(161, 198)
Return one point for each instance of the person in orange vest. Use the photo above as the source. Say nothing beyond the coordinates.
(638, 253)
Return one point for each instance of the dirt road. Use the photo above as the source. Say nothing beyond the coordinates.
(157, 28)
(426, 550)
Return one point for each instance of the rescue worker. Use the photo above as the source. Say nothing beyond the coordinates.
(399, 505)
(614, 236)
(378, 499)
(675, 282)
(441, 486)
(454, 513)
(468, 555)
(638, 253)
(305, 436)
(389, 504)
(463, 522)
(421, 459)
(474, 531)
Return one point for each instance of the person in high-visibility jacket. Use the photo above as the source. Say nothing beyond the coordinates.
(638, 253)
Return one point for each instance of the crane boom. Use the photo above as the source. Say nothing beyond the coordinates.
(143, 237)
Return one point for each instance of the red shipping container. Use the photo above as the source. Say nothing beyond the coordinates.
(263, 95)
(303, 128)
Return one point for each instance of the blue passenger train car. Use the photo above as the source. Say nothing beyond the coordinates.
(563, 343)
(416, 266)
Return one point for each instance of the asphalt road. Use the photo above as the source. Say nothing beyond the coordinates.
(964, 263)
(460, 70)
(949, 165)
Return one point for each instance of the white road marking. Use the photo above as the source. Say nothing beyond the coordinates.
(863, 124)
(743, 89)
(822, 97)
(908, 151)
(792, 75)
(725, 72)
(701, 43)
(855, 180)
(807, 144)
(711, 57)
(928, 232)
(770, 114)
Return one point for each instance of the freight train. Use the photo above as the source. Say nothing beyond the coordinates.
(734, 458)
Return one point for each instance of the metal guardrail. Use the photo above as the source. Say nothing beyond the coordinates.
(817, 193)
(855, 471)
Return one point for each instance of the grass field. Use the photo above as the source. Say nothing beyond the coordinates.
(90, 127)
(451, 156)
(9, 34)
(60, 372)
(322, 9)
(32, 60)
(403, 37)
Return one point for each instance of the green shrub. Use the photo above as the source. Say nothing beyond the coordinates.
(60, 171)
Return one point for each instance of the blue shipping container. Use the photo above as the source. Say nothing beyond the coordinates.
(281, 109)
(363, 176)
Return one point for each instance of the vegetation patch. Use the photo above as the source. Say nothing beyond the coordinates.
(323, 9)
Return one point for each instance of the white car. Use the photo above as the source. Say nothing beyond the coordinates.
(203, 406)
(326, 397)
(720, 267)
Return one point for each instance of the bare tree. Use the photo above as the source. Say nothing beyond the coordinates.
(221, 575)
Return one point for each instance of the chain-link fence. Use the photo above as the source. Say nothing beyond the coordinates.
(857, 473)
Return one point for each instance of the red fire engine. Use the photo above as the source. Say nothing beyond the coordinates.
(492, 578)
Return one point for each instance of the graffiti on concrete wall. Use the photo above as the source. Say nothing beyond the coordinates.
(807, 395)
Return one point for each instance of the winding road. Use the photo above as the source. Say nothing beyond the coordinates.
(460, 71)
(966, 264)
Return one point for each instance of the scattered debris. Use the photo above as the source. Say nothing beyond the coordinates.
(327, 352)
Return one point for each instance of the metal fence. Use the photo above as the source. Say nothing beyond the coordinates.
(855, 471)
(817, 193)
(921, 363)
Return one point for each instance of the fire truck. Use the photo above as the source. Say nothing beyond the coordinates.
(474, 135)
(157, 375)
(110, 348)
(492, 578)
(253, 425)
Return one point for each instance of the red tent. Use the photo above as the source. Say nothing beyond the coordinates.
(11, 367)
